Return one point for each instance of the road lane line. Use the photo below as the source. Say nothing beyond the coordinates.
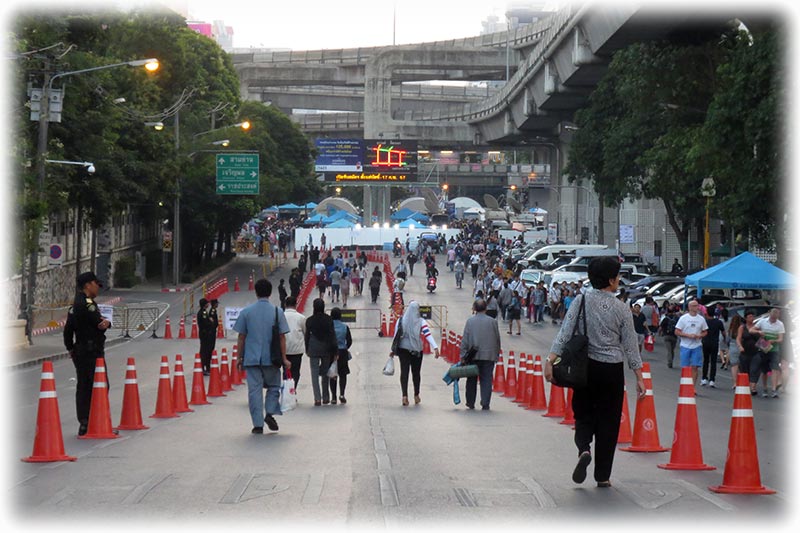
(139, 493)
(542, 496)
(314, 489)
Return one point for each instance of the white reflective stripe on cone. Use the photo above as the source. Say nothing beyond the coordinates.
(687, 401)
(99, 369)
(178, 373)
(130, 382)
(47, 394)
(687, 381)
(164, 364)
(130, 367)
(648, 392)
(742, 413)
(646, 375)
(48, 375)
(164, 376)
(742, 390)
(537, 374)
(99, 385)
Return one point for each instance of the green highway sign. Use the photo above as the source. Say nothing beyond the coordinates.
(237, 174)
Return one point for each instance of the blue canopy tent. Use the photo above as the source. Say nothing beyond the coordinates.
(745, 271)
(341, 223)
(316, 219)
(290, 207)
(339, 215)
(403, 214)
(419, 217)
(407, 223)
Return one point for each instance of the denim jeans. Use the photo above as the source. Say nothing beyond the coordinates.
(485, 374)
(257, 377)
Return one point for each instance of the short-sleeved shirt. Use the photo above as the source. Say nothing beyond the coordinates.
(771, 331)
(256, 322)
(336, 277)
(692, 325)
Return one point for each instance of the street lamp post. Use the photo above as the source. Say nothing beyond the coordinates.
(708, 190)
(41, 150)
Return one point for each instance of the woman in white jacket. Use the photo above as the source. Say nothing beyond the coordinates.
(407, 344)
(295, 339)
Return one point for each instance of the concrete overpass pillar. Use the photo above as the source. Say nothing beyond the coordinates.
(368, 205)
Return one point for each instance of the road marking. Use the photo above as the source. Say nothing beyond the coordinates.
(542, 496)
(237, 489)
(464, 498)
(388, 491)
(313, 489)
(139, 493)
(57, 498)
(379, 443)
(709, 497)
(638, 495)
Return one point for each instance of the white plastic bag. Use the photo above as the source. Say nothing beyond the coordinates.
(288, 395)
(333, 370)
(388, 369)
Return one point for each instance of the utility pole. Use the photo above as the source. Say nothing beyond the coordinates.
(176, 231)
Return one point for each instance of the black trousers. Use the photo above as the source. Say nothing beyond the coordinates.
(206, 347)
(485, 371)
(375, 293)
(84, 373)
(710, 353)
(296, 361)
(408, 361)
(598, 408)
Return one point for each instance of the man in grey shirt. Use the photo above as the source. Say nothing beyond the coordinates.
(336, 280)
(482, 333)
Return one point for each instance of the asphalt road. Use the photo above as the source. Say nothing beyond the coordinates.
(372, 462)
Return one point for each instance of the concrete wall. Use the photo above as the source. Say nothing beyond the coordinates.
(337, 237)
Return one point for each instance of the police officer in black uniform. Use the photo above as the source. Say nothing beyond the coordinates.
(212, 313)
(204, 324)
(85, 322)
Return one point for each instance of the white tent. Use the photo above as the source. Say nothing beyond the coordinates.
(464, 202)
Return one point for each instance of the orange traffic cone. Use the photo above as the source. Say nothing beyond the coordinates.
(645, 425)
(384, 332)
(569, 414)
(455, 352)
(250, 284)
(99, 412)
(48, 443)
(625, 436)
(556, 408)
(538, 400)
(511, 376)
(457, 356)
(214, 380)
(194, 328)
(198, 385)
(294, 254)
(167, 330)
(182, 328)
(687, 453)
(220, 331)
(426, 346)
(179, 402)
(522, 379)
(742, 474)
(224, 375)
(131, 417)
(236, 284)
(164, 408)
(236, 377)
(444, 349)
(499, 383)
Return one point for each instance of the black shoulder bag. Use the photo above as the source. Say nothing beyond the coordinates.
(275, 344)
(570, 370)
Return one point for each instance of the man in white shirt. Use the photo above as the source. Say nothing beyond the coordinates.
(319, 268)
(771, 330)
(474, 261)
(451, 258)
(690, 329)
(295, 339)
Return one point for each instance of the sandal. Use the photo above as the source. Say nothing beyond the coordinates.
(405, 401)
(603, 484)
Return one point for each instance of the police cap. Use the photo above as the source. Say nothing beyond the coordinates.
(203, 302)
(87, 277)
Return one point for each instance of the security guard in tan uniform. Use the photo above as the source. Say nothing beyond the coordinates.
(89, 328)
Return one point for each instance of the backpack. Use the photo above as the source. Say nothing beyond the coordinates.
(668, 326)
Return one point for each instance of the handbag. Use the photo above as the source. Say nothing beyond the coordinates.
(288, 393)
(649, 343)
(333, 370)
(388, 368)
(276, 358)
(570, 370)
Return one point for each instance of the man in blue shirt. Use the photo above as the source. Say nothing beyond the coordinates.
(254, 326)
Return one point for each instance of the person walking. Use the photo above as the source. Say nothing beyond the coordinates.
(295, 339)
(345, 286)
(375, 285)
(746, 338)
(84, 339)
(690, 329)
(255, 328)
(612, 340)
(639, 324)
(480, 345)
(459, 270)
(734, 346)
(207, 335)
(515, 313)
(667, 330)
(336, 283)
(407, 344)
(343, 341)
(771, 331)
(711, 350)
(321, 347)
(282, 294)
(412, 260)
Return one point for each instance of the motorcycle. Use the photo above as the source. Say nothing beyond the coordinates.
(431, 284)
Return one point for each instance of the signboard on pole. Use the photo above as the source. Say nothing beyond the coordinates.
(166, 241)
(56, 255)
(367, 161)
(349, 315)
(237, 173)
(552, 232)
(231, 314)
(626, 234)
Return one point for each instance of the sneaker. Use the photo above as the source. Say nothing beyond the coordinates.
(257, 430)
(579, 474)
(775, 394)
(764, 394)
(271, 423)
(712, 384)
(704, 382)
(82, 430)
(333, 400)
(317, 403)
(342, 399)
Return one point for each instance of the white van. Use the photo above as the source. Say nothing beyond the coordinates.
(547, 254)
